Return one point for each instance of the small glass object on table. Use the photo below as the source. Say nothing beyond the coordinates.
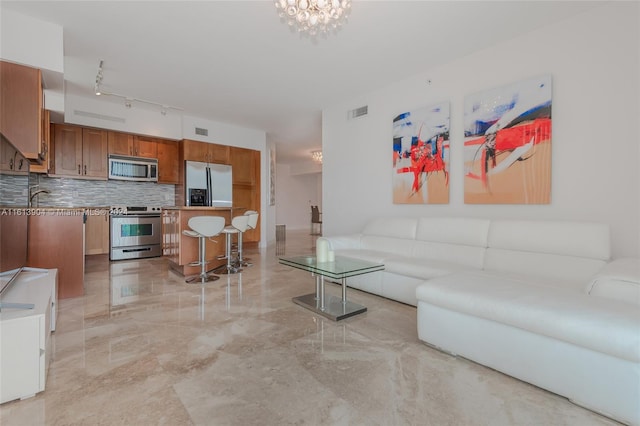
(341, 268)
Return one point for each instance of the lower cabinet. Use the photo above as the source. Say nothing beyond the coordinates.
(25, 334)
(96, 232)
(56, 240)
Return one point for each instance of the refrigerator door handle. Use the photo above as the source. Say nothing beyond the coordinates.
(209, 187)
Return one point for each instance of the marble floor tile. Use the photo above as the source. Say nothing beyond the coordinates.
(142, 347)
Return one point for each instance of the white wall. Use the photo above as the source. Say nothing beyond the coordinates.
(295, 194)
(32, 42)
(594, 62)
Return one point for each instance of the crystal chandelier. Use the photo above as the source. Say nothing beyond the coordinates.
(313, 16)
(317, 156)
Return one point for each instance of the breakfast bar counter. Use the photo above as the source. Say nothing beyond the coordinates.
(180, 249)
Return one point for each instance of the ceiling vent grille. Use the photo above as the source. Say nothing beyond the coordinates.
(358, 112)
(98, 116)
(202, 132)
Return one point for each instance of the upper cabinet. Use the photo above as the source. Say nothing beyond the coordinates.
(245, 163)
(205, 152)
(79, 152)
(21, 109)
(136, 146)
(168, 162)
(145, 146)
(11, 161)
(46, 138)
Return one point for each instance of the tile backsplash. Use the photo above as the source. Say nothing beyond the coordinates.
(65, 192)
(13, 190)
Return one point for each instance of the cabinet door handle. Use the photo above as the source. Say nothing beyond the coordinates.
(79, 169)
(85, 169)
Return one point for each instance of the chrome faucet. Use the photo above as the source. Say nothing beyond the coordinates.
(35, 193)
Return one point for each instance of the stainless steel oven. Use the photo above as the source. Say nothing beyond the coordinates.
(135, 232)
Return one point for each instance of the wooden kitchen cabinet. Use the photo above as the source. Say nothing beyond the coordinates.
(94, 153)
(246, 185)
(120, 143)
(96, 232)
(132, 145)
(11, 160)
(79, 152)
(205, 152)
(56, 241)
(21, 109)
(144, 146)
(46, 140)
(168, 162)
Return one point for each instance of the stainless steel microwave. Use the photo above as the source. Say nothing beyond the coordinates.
(133, 168)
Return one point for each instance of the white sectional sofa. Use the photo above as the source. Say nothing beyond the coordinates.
(538, 300)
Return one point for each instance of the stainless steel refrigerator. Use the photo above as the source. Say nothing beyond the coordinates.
(208, 184)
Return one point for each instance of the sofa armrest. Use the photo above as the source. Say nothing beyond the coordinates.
(345, 242)
(618, 280)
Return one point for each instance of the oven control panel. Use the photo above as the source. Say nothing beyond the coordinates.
(136, 210)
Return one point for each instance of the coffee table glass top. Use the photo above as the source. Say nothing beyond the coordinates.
(342, 267)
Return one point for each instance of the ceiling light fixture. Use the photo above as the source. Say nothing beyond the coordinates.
(98, 79)
(313, 16)
(317, 156)
(128, 100)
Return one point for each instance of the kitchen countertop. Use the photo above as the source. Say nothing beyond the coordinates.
(53, 211)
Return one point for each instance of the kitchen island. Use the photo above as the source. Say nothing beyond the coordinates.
(180, 249)
(56, 240)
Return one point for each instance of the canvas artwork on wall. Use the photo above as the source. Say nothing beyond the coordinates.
(421, 156)
(507, 144)
(272, 177)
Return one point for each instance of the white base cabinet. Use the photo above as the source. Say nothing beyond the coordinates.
(25, 334)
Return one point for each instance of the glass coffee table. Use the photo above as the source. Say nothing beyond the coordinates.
(332, 307)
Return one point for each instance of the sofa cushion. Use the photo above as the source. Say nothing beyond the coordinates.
(453, 230)
(471, 256)
(554, 268)
(396, 227)
(602, 325)
(578, 239)
(392, 246)
(421, 268)
(369, 255)
(618, 280)
(563, 250)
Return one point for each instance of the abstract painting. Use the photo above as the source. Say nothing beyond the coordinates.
(272, 177)
(507, 144)
(421, 156)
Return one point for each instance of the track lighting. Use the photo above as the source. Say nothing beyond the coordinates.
(128, 100)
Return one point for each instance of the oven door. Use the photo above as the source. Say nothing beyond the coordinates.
(135, 230)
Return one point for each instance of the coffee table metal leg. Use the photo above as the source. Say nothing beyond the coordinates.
(344, 291)
(332, 307)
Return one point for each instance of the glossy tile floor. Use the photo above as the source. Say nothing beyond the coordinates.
(144, 348)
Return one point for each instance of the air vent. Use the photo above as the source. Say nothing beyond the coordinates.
(98, 116)
(358, 112)
(202, 132)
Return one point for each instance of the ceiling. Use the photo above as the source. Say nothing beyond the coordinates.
(236, 62)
